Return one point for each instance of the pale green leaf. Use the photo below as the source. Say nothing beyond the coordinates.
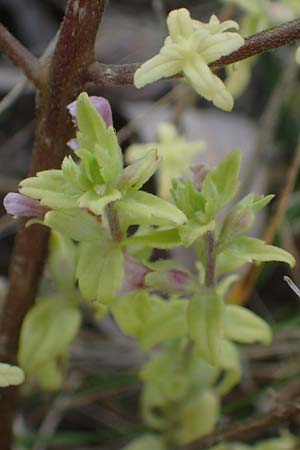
(96, 202)
(136, 174)
(47, 332)
(251, 249)
(167, 320)
(100, 270)
(142, 208)
(193, 230)
(74, 223)
(93, 132)
(52, 189)
(187, 198)
(198, 416)
(146, 442)
(161, 238)
(205, 322)
(242, 325)
(230, 363)
(131, 312)
(62, 261)
(221, 184)
(49, 375)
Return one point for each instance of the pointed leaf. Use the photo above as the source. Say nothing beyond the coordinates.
(74, 223)
(221, 184)
(242, 325)
(165, 239)
(47, 331)
(100, 270)
(142, 208)
(205, 322)
(62, 261)
(251, 249)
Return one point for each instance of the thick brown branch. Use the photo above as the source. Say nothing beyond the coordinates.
(20, 56)
(249, 429)
(262, 42)
(62, 82)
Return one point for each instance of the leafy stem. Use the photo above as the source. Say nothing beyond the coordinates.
(114, 224)
(210, 259)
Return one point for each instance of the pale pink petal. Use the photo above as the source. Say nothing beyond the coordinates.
(101, 105)
(22, 206)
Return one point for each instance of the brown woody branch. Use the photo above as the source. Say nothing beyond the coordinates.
(60, 84)
(103, 74)
(250, 429)
(21, 57)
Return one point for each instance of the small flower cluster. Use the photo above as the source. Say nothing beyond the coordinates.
(189, 49)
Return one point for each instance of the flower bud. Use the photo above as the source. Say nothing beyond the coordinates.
(22, 206)
(101, 105)
(134, 274)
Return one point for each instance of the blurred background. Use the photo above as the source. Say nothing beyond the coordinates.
(99, 405)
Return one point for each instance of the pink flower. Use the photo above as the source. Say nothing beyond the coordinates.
(134, 276)
(22, 206)
(179, 280)
(101, 105)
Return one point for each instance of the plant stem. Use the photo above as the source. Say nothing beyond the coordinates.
(210, 260)
(114, 224)
(61, 84)
(110, 75)
(21, 57)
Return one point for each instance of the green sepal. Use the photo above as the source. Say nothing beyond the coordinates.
(142, 208)
(161, 238)
(187, 198)
(249, 249)
(74, 223)
(221, 184)
(62, 261)
(136, 174)
(206, 324)
(47, 332)
(100, 269)
(242, 325)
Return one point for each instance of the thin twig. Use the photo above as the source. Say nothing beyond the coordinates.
(122, 74)
(21, 57)
(250, 428)
(12, 96)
